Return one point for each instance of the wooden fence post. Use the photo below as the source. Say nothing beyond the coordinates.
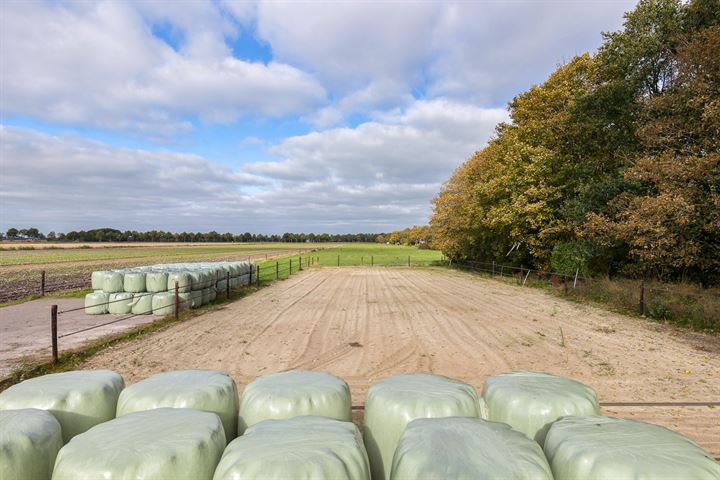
(408, 260)
(277, 270)
(372, 260)
(42, 283)
(642, 297)
(53, 330)
(290, 268)
(338, 261)
(300, 262)
(177, 300)
(493, 270)
(257, 276)
(227, 284)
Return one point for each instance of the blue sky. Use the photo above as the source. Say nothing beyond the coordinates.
(261, 116)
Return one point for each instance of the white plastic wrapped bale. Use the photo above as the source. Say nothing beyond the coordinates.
(120, 303)
(79, 400)
(134, 282)
(156, 281)
(197, 280)
(467, 448)
(183, 280)
(300, 447)
(167, 443)
(163, 303)
(207, 390)
(113, 282)
(594, 448)
(292, 394)
(142, 303)
(97, 279)
(96, 303)
(206, 295)
(221, 290)
(212, 295)
(29, 442)
(529, 401)
(393, 402)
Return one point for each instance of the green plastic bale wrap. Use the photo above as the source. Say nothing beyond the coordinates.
(206, 295)
(395, 401)
(120, 303)
(96, 303)
(134, 282)
(207, 390)
(300, 447)
(293, 394)
(183, 280)
(156, 281)
(196, 280)
(196, 298)
(79, 400)
(29, 442)
(163, 303)
(162, 444)
(97, 279)
(113, 282)
(467, 449)
(212, 294)
(594, 448)
(142, 303)
(221, 290)
(529, 401)
(185, 300)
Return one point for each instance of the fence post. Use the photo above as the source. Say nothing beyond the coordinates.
(522, 269)
(300, 262)
(565, 284)
(502, 267)
(642, 297)
(372, 260)
(227, 284)
(338, 260)
(362, 261)
(277, 270)
(177, 300)
(290, 267)
(53, 329)
(408, 260)
(577, 270)
(257, 276)
(493, 270)
(42, 283)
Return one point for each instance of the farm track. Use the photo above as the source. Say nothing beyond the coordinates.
(363, 324)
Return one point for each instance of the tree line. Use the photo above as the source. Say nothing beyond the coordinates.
(113, 235)
(611, 166)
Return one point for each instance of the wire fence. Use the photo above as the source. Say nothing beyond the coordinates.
(687, 304)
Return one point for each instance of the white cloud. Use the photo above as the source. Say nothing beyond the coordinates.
(99, 64)
(375, 177)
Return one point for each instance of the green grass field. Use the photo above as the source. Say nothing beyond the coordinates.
(351, 254)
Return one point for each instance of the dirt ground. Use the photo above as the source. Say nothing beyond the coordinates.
(363, 324)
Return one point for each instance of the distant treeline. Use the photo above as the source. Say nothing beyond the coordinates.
(611, 166)
(113, 235)
(415, 235)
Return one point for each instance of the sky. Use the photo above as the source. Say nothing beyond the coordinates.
(262, 116)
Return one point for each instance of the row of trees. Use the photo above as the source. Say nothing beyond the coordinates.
(415, 235)
(612, 165)
(113, 235)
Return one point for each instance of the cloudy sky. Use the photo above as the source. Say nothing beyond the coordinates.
(261, 116)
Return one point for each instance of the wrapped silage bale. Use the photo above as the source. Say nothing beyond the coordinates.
(142, 303)
(29, 442)
(185, 300)
(594, 448)
(205, 296)
(529, 401)
(393, 402)
(196, 298)
(113, 282)
(96, 303)
(79, 399)
(207, 390)
(120, 303)
(166, 443)
(467, 448)
(292, 394)
(183, 280)
(212, 295)
(300, 447)
(197, 280)
(221, 290)
(134, 282)
(156, 281)
(97, 279)
(163, 303)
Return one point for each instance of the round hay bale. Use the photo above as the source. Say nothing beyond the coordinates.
(134, 282)
(120, 303)
(156, 281)
(96, 303)
(29, 442)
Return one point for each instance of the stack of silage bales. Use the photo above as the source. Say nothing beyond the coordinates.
(151, 289)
